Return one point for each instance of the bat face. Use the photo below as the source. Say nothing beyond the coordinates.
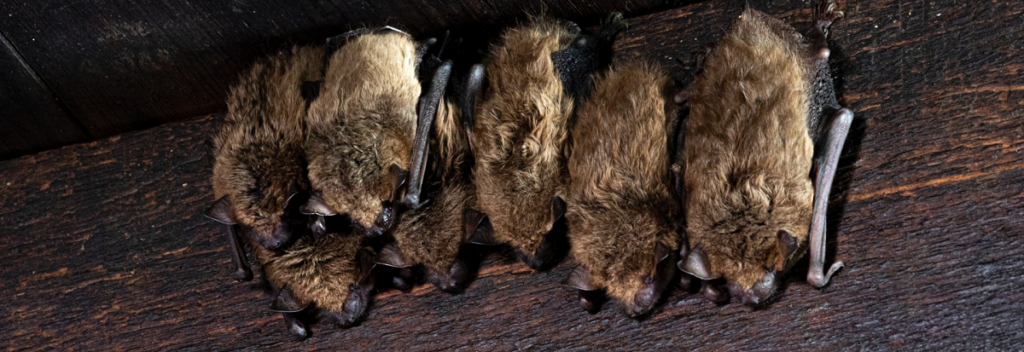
(623, 217)
(332, 274)
(259, 165)
(748, 163)
(636, 274)
(361, 129)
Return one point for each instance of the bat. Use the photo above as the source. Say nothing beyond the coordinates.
(434, 235)
(763, 139)
(259, 172)
(330, 277)
(368, 127)
(519, 131)
(623, 215)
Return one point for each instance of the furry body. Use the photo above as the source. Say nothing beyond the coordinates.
(319, 272)
(755, 113)
(258, 149)
(520, 133)
(620, 203)
(362, 123)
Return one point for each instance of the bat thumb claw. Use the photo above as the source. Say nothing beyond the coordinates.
(818, 280)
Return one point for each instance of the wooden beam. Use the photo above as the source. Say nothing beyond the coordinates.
(105, 248)
(31, 117)
(121, 66)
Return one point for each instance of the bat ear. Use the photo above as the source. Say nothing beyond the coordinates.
(580, 279)
(391, 256)
(316, 206)
(398, 181)
(696, 264)
(557, 208)
(474, 88)
(220, 211)
(366, 263)
(479, 228)
(295, 197)
(787, 246)
(661, 252)
(285, 302)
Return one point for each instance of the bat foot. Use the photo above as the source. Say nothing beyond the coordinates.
(617, 22)
(818, 280)
(824, 13)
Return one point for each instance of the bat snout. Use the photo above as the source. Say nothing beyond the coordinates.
(276, 238)
(645, 299)
(444, 282)
(384, 222)
(759, 294)
(532, 261)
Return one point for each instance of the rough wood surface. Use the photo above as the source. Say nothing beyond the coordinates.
(105, 249)
(31, 117)
(123, 66)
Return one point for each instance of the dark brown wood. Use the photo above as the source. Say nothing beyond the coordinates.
(31, 118)
(105, 247)
(126, 66)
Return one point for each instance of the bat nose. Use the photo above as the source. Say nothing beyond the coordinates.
(531, 261)
(751, 299)
(444, 282)
(644, 299)
(281, 235)
(635, 310)
(385, 220)
(758, 294)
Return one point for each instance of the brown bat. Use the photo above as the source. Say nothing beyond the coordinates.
(520, 131)
(623, 215)
(434, 235)
(259, 172)
(331, 276)
(363, 132)
(762, 142)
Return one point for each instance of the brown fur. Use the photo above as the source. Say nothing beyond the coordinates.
(748, 152)
(362, 123)
(432, 235)
(620, 203)
(316, 271)
(520, 133)
(258, 150)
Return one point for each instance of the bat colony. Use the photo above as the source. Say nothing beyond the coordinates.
(376, 160)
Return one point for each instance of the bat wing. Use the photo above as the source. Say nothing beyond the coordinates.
(427, 112)
(826, 159)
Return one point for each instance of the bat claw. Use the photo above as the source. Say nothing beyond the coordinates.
(243, 274)
(818, 280)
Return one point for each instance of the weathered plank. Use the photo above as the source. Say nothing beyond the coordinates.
(32, 118)
(123, 66)
(105, 247)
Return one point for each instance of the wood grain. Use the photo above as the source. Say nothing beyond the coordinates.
(105, 247)
(32, 118)
(123, 66)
